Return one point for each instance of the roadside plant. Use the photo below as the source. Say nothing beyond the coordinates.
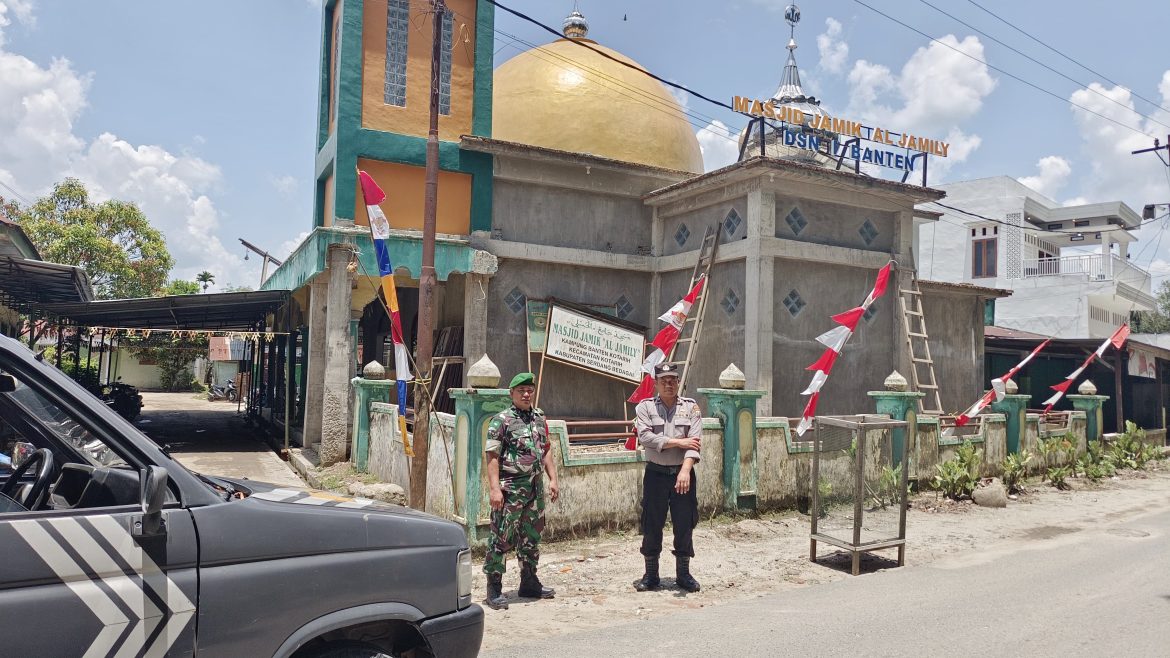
(1058, 476)
(1015, 469)
(1068, 445)
(887, 491)
(1047, 448)
(1127, 450)
(957, 477)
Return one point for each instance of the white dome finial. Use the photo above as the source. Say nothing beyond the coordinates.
(575, 25)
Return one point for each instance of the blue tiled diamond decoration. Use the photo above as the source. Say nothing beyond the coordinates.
(730, 302)
(515, 300)
(868, 232)
(681, 235)
(796, 221)
(869, 313)
(794, 303)
(624, 307)
(731, 223)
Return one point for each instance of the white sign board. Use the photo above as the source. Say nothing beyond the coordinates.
(1142, 363)
(594, 344)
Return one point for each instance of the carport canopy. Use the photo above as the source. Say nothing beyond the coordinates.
(224, 311)
(28, 285)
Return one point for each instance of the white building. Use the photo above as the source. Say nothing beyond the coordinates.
(1067, 266)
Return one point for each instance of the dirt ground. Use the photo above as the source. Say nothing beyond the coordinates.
(747, 557)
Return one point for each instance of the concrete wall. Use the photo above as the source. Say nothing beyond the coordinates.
(566, 391)
(826, 290)
(835, 224)
(698, 221)
(562, 217)
(954, 321)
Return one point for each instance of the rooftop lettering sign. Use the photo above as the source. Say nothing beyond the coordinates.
(795, 122)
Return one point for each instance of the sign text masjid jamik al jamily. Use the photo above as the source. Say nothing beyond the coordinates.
(844, 129)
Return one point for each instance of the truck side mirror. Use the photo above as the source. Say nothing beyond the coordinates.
(7, 383)
(154, 494)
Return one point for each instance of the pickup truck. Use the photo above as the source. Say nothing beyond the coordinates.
(108, 547)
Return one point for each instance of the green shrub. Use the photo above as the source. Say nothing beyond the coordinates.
(889, 481)
(957, 477)
(1057, 475)
(1015, 469)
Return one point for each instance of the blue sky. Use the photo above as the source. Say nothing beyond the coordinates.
(204, 113)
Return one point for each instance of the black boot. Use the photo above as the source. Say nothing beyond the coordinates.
(530, 586)
(495, 592)
(683, 577)
(649, 581)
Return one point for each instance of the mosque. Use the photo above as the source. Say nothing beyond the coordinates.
(569, 174)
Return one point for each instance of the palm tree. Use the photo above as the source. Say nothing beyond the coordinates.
(206, 278)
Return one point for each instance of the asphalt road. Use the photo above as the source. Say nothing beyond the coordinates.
(1055, 591)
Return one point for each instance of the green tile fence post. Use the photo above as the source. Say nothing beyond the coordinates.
(1092, 404)
(374, 387)
(474, 409)
(736, 410)
(1015, 408)
(899, 404)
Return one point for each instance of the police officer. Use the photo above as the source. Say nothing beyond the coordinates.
(669, 428)
(517, 453)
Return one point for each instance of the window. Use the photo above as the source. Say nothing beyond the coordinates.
(445, 64)
(983, 258)
(397, 30)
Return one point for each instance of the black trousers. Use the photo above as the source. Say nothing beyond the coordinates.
(658, 496)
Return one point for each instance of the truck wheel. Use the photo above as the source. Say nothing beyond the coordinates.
(350, 650)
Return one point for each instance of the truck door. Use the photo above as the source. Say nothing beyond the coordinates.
(78, 576)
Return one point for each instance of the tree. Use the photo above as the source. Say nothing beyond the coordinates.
(112, 241)
(230, 288)
(206, 278)
(181, 287)
(1158, 320)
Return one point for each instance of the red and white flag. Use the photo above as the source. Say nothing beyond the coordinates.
(998, 389)
(664, 342)
(834, 341)
(1117, 340)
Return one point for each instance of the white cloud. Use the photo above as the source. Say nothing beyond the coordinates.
(936, 91)
(833, 50)
(286, 184)
(39, 107)
(286, 248)
(719, 145)
(1053, 172)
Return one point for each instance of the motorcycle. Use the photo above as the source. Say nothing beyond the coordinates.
(123, 399)
(225, 391)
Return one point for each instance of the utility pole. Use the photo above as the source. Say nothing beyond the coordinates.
(426, 282)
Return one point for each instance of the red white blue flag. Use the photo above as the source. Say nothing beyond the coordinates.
(380, 232)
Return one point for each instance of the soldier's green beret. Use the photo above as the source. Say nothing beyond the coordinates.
(522, 379)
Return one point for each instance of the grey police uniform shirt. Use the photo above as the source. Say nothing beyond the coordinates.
(656, 423)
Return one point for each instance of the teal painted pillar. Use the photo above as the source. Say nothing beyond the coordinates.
(1015, 408)
(736, 409)
(1093, 406)
(898, 405)
(474, 408)
(366, 391)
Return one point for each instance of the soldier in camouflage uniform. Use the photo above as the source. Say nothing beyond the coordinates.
(517, 454)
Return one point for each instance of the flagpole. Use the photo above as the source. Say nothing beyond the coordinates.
(426, 283)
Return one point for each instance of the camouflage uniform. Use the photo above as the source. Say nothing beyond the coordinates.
(520, 438)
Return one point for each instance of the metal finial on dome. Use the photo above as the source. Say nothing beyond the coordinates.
(575, 25)
(792, 15)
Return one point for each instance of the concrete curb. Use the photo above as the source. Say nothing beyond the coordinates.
(304, 466)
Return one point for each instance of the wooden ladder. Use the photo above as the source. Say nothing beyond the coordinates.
(693, 327)
(918, 341)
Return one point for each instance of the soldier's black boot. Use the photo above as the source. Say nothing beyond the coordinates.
(495, 592)
(683, 577)
(530, 585)
(649, 581)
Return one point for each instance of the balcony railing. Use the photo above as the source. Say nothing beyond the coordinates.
(1094, 267)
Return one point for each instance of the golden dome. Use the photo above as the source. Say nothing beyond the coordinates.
(566, 97)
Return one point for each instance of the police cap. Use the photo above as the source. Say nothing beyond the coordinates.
(665, 370)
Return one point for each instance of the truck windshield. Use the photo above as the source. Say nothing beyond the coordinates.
(64, 426)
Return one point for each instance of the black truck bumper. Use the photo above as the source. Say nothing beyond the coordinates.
(455, 635)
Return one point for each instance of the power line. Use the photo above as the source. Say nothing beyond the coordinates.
(1000, 70)
(1036, 61)
(1100, 75)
